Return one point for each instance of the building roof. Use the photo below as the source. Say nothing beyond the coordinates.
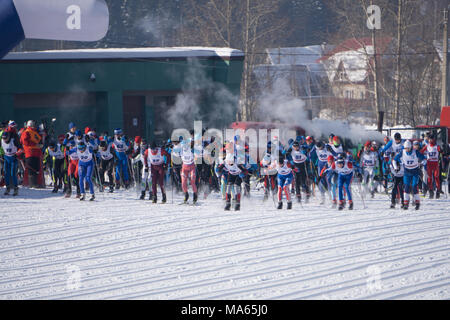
(354, 56)
(297, 55)
(127, 53)
(354, 44)
(440, 48)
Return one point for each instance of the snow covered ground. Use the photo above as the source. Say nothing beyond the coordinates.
(122, 248)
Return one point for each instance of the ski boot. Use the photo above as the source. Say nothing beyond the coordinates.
(341, 205)
(155, 199)
(117, 186)
(164, 198)
(16, 191)
(392, 205)
(228, 203)
(142, 197)
(78, 196)
(322, 200)
(92, 197)
(194, 200)
(55, 189)
(68, 194)
(83, 196)
(334, 204)
(405, 205)
(308, 196)
(280, 205)
(237, 206)
(350, 205)
(299, 198)
(417, 205)
(438, 194)
(186, 197)
(266, 196)
(431, 194)
(111, 189)
(101, 188)
(289, 205)
(372, 194)
(7, 191)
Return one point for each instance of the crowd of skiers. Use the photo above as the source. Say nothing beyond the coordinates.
(81, 160)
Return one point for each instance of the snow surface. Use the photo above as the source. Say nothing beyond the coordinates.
(125, 248)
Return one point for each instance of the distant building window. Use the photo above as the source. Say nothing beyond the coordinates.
(362, 95)
(349, 94)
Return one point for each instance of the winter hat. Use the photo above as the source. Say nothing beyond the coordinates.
(31, 123)
(137, 139)
(330, 158)
(87, 129)
(407, 144)
(78, 133)
(367, 144)
(118, 131)
(336, 141)
(71, 125)
(397, 136)
(12, 123)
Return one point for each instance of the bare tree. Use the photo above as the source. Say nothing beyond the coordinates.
(248, 25)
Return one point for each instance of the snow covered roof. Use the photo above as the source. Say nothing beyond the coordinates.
(297, 55)
(439, 48)
(354, 55)
(127, 53)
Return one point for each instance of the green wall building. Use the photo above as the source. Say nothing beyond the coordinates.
(133, 89)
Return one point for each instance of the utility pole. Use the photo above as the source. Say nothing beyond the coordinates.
(445, 61)
(375, 80)
(397, 71)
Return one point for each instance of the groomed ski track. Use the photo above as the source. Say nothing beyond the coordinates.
(123, 248)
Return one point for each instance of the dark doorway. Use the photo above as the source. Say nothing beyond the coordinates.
(133, 116)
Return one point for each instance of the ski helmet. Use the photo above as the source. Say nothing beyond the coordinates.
(320, 145)
(397, 136)
(103, 144)
(78, 133)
